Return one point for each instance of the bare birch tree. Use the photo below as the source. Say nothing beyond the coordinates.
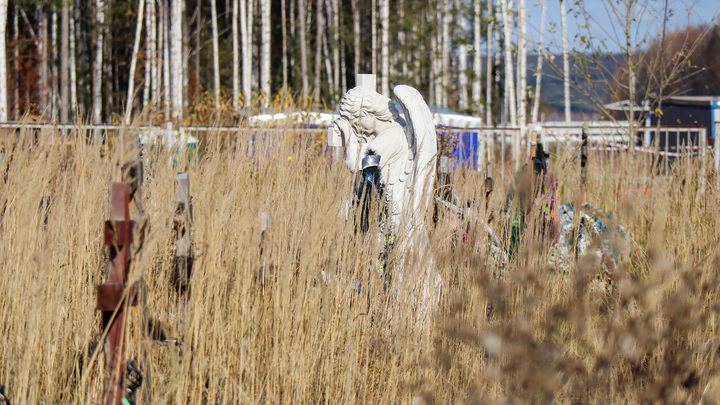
(148, 55)
(215, 53)
(165, 33)
(373, 29)
(462, 64)
(235, 56)
(153, 49)
(566, 61)
(320, 27)
(246, 53)
(73, 62)
(356, 36)
(336, 46)
(402, 40)
(489, 63)
(446, 50)
(629, 48)
(522, 77)
(64, 61)
(477, 56)
(283, 18)
(385, 45)
(509, 76)
(133, 62)
(3, 62)
(265, 78)
(16, 60)
(538, 72)
(176, 55)
(303, 49)
(98, 62)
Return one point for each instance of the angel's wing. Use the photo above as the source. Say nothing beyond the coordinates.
(422, 139)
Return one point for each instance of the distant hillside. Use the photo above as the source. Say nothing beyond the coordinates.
(552, 94)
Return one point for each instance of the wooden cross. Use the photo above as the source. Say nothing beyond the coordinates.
(113, 294)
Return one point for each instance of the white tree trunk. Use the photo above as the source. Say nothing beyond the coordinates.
(153, 48)
(3, 62)
(343, 71)
(73, 64)
(385, 45)
(148, 53)
(437, 52)
(53, 82)
(246, 53)
(98, 63)
(446, 52)
(401, 38)
(566, 60)
(336, 46)
(489, 68)
(326, 58)
(235, 57)
(477, 60)
(133, 62)
(373, 28)
(541, 53)
(176, 55)
(215, 54)
(16, 60)
(356, 37)
(629, 18)
(42, 52)
(265, 77)
(64, 61)
(498, 58)
(283, 19)
(320, 27)
(251, 20)
(462, 64)
(522, 79)
(303, 49)
(509, 74)
(165, 34)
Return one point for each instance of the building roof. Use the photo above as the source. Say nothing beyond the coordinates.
(624, 105)
(692, 100)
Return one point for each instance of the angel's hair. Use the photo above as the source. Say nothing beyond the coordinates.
(362, 101)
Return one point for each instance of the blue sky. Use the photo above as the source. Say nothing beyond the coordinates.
(648, 20)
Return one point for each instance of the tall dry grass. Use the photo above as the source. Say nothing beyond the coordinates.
(291, 327)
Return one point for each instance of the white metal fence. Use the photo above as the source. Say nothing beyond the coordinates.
(472, 147)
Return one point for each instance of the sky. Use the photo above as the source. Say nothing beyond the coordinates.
(648, 20)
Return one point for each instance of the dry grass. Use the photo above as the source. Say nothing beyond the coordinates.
(289, 327)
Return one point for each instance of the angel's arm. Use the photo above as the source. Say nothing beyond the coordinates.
(391, 145)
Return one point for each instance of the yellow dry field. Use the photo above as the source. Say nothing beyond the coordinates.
(312, 320)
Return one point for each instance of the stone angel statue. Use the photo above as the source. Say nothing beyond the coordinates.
(369, 124)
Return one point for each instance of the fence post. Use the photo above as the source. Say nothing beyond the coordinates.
(489, 184)
(716, 158)
(703, 150)
(584, 156)
(183, 260)
(502, 156)
(265, 226)
(533, 148)
(112, 295)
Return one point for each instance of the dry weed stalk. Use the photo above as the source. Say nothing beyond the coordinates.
(291, 327)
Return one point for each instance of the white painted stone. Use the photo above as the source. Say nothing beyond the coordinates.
(367, 81)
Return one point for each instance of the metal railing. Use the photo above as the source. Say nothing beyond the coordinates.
(477, 146)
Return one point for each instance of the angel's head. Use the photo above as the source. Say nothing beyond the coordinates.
(362, 108)
(363, 112)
